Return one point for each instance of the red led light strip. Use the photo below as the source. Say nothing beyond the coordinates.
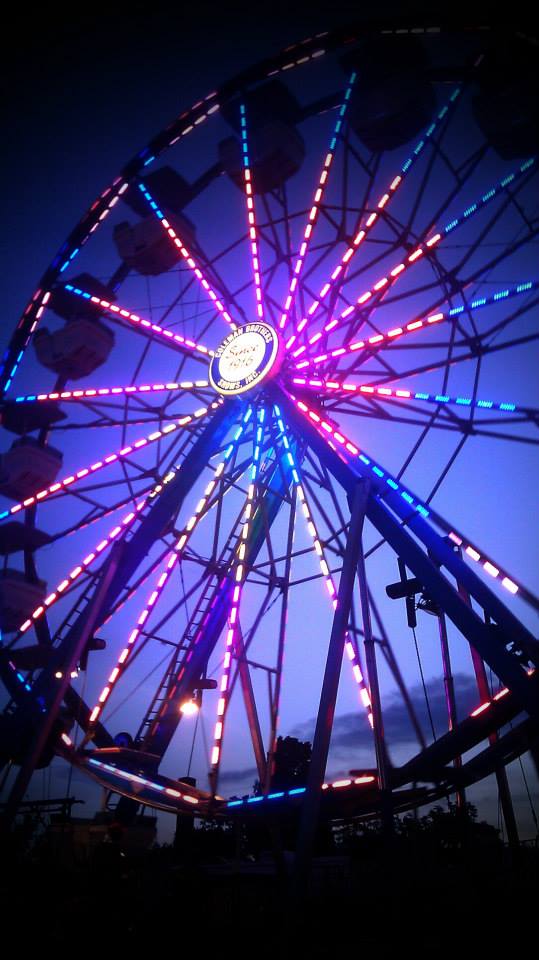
(106, 541)
(172, 560)
(383, 284)
(389, 393)
(97, 392)
(142, 324)
(189, 259)
(377, 340)
(63, 485)
(423, 248)
(327, 430)
(313, 214)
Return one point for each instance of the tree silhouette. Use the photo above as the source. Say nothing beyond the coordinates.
(290, 765)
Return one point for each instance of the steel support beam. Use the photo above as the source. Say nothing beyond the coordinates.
(45, 728)
(250, 707)
(388, 512)
(113, 578)
(501, 774)
(276, 489)
(382, 759)
(450, 700)
(152, 526)
(330, 686)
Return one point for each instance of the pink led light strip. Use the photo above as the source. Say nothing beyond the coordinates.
(63, 485)
(113, 534)
(157, 592)
(96, 392)
(378, 339)
(382, 339)
(327, 430)
(142, 324)
(385, 282)
(315, 208)
(173, 688)
(113, 193)
(188, 257)
(253, 237)
(232, 626)
(389, 393)
(372, 218)
(351, 650)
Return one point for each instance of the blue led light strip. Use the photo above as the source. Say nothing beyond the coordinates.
(315, 208)
(429, 132)
(424, 247)
(381, 340)
(99, 210)
(141, 781)
(251, 217)
(396, 394)
(366, 461)
(367, 225)
(144, 325)
(494, 570)
(270, 796)
(488, 196)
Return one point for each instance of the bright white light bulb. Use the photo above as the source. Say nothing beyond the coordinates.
(189, 708)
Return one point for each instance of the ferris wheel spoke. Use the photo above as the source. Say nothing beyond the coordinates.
(350, 646)
(64, 486)
(440, 419)
(158, 726)
(482, 346)
(478, 279)
(96, 513)
(65, 584)
(174, 340)
(239, 574)
(374, 215)
(95, 393)
(251, 215)
(381, 340)
(117, 532)
(424, 248)
(389, 488)
(174, 557)
(387, 394)
(315, 208)
(188, 257)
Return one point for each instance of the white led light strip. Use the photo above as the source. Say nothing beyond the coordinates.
(239, 574)
(350, 647)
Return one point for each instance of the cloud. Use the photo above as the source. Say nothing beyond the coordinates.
(238, 776)
(351, 734)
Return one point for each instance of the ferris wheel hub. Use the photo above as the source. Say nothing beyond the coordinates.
(248, 355)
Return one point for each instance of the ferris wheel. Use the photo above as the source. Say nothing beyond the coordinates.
(269, 400)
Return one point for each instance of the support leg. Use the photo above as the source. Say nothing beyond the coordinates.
(328, 697)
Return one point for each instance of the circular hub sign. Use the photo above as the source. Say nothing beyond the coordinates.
(244, 358)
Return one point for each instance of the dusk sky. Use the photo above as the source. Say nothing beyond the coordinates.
(83, 99)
